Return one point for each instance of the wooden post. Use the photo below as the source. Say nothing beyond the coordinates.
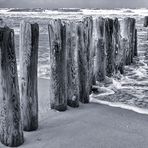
(118, 50)
(85, 52)
(58, 65)
(109, 47)
(72, 64)
(146, 24)
(116, 45)
(83, 71)
(29, 37)
(132, 23)
(145, 21)
(127, 35)
(100, 55)
(88, 32)
(1, 22)
(89, 46)
(11, 131)
(135, 44)
(94, 47)
(125, 41)
(124, 47)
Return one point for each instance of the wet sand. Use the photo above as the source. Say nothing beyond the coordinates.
(89, 126)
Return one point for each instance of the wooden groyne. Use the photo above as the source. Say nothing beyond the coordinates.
(116, 46)
(77, 60)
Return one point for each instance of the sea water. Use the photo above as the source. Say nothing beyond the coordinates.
(131, 88)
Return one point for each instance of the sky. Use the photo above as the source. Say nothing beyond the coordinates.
(73, 4)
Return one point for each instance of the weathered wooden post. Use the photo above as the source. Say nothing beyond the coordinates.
(145, 24)
(125, 41)
(127, 32)
(72, 64)
(29, 37)
(11, 130)
(109, 47)
(58, 65)
(90, 49)
(100, 55)
(84, 49)
(135, 44)
(116, 43)
(1, 22)
(132, 23)
(118, 51)
(94, 47)
(124, 47)
(83, 71)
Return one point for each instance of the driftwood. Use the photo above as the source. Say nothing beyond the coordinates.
(100, 53)
(109, 47)
(72, 64)
(29, 37)
(58, 65)
(11, 130)
(84, 49)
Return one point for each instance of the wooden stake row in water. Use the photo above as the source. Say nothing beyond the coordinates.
(116, 46)
(77, 60)
(12, 121)
(71, 65)
(72, 56)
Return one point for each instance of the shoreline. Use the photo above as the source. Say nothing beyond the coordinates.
(44, 82)
(91, 125)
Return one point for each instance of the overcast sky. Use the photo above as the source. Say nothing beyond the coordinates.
(74, 3)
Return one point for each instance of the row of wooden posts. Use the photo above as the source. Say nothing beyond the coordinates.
(81, 53)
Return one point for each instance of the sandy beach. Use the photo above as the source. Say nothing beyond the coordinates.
(90, 126)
